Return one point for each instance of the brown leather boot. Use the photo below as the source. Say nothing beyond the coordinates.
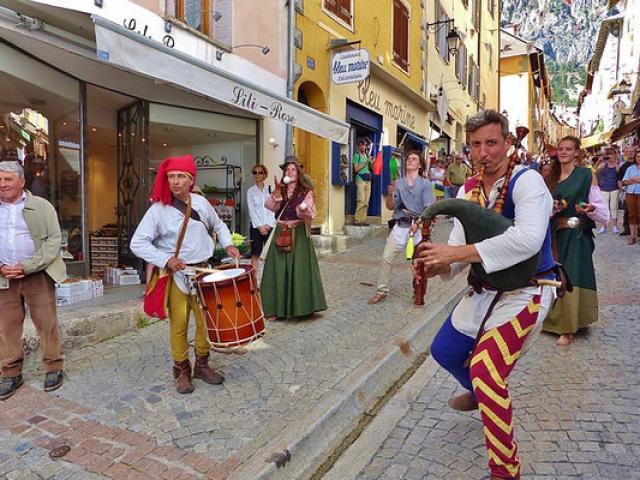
(464, 402)
(182, 374)
(203, 371)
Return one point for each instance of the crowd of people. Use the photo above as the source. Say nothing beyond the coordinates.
(552, 204)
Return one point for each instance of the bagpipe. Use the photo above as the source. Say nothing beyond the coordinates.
(480, 223)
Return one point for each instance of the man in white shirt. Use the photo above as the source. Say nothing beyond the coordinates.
(155, 241)
(30, 263)
(479, 354)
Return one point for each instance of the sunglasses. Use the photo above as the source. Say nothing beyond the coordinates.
(258, 172)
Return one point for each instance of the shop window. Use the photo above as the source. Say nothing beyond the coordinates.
(40, 126)
(401, 34)
(343, 9)
(224, 148)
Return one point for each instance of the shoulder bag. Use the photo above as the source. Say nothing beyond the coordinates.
(157, 292)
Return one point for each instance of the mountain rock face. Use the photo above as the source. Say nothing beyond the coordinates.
(565, 30)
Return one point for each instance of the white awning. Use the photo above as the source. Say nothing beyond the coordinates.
(151, 71)
(134, 52)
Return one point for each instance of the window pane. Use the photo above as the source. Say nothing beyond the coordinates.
(193, 13)
(40, 127)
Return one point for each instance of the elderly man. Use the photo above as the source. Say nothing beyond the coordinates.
(30, 263)
(155, 240)
(457, 174)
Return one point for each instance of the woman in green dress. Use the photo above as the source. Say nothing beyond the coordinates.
(576, 195)
(291, 284)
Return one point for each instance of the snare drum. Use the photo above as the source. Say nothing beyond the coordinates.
(231, 306)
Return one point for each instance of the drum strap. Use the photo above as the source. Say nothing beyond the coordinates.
(182, 206)
(183, 229)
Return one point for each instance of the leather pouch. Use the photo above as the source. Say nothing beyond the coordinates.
(284, 239)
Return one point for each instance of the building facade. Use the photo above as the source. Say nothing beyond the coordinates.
(525, 92)
(413, 75)
(609, 105)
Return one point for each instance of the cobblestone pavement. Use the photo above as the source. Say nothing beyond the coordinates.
(576, 408)
(121, 416)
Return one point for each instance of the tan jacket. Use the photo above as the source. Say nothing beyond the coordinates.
(42, 220)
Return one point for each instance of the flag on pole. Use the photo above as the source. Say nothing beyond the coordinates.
(377, 163)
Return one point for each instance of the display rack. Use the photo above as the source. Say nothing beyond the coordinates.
(221, 183)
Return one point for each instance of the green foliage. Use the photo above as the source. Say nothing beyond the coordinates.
(142, 320)
(565, 78)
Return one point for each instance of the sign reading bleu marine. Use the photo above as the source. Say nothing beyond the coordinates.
(350, 66)
(373, 98)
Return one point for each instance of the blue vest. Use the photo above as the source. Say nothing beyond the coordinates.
(546, 254)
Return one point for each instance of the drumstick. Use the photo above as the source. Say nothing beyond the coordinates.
(205, 270)
(548, 283)
(237, 262)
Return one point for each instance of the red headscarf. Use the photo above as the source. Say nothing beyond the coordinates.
(161, 191)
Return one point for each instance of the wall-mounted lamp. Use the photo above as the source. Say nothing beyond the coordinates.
(272, 142)
(453, 37)
(263, 48)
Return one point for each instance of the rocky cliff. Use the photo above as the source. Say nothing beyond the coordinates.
(565, 30)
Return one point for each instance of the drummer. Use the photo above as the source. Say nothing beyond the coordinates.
(155, 241)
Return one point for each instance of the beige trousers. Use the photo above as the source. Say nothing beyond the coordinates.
(395, 245)
(363, 193)
(37, 292)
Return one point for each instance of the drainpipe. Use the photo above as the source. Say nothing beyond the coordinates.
(291, 18)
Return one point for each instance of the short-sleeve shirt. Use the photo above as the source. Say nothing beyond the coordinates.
(357, 160)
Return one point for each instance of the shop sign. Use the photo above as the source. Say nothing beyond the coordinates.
(249, 99)
(350, 66)
(372, 98)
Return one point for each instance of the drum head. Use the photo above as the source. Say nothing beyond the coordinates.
(222, 275)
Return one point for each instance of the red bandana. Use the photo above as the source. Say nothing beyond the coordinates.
(161, 191)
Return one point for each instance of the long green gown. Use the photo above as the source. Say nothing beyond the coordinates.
(291, 283)
(574, 248)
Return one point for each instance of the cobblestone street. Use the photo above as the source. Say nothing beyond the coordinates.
(121, 416)
(576, 408)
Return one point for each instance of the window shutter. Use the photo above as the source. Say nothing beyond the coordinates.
(222, 30)
(344, 10)
(400, 34)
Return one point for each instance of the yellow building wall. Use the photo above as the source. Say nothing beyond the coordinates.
(490, 55)
(373, 28)
(439, 72)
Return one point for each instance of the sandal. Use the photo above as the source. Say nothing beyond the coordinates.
(378, 297)
(631, 240)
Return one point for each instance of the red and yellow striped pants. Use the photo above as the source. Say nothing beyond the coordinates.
(495, 356)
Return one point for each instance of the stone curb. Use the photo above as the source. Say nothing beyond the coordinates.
(300, 448)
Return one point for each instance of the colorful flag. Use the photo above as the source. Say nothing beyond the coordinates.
(377, 163)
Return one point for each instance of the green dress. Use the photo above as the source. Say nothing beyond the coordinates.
(291, 284)
(574, 247)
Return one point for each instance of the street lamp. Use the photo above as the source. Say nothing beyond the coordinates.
(453, 36)
(453, 41)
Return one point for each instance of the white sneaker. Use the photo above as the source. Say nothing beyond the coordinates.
(616, 230)
(602, 230)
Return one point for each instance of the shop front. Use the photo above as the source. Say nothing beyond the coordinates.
(390, 122)
(91, 129)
